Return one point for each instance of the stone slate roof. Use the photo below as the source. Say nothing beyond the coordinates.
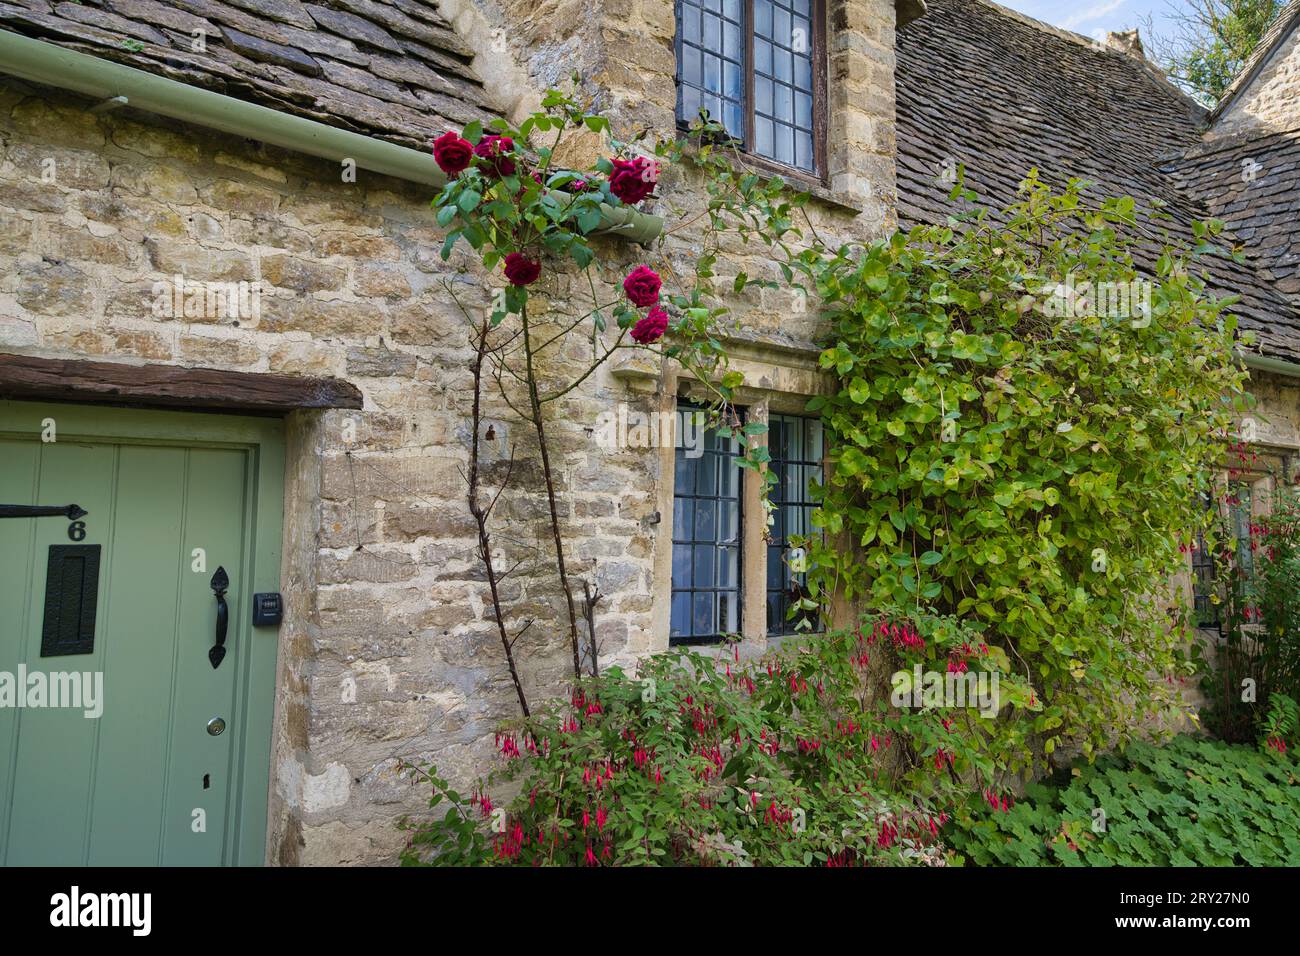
(394, 69)
(1000, 93)
(1252, 182)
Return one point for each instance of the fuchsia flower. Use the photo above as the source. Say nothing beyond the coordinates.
(651, 328)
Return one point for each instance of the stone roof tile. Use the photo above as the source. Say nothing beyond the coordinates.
(1000, 94)
(394, 69)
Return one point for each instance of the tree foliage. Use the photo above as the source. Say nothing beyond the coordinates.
(1208, 42)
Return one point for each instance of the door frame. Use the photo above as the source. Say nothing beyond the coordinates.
(264, 439)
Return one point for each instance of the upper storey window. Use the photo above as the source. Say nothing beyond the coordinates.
(758, 68)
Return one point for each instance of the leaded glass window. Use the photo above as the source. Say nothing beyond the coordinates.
(756, 67)
(706, 538)
(797, 448)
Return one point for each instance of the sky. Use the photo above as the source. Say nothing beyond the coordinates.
(1093, 18)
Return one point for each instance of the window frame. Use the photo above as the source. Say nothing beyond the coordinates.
(1204, 577)
(693, 640)
(786, 627)
(819, 174)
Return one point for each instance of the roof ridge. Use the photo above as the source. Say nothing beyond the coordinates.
(1151, 69)
(1061, 32)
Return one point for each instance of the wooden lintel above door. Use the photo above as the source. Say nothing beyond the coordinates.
(169, 386)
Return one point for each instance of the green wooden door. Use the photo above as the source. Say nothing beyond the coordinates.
(137, 777)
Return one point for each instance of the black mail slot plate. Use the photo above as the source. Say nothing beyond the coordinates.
(71, 599)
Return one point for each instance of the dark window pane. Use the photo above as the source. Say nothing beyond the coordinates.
(728, 612)
(684, 471)
(702, 621)
(706, 475)
(680, 625)
(775, 612)
(705, 556)
(683, 518)
(705, 513)
(681, 562)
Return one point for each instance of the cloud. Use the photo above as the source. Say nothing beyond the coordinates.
(1092, 13)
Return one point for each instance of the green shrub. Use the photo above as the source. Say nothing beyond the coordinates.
(1192, 802)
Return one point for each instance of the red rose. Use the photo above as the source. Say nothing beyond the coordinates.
(452, 153)
(651, 328)
(521, 270)
(495, 152)
(642, 286)
(633, 179)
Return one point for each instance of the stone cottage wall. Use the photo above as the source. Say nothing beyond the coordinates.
(387, 651)
(1272, 100)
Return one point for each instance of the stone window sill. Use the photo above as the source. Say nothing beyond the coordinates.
(798, 179)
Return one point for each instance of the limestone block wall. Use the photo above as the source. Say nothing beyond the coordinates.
(1272, 100)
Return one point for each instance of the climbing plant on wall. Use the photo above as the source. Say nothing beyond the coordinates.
(535, 222)
(1010, 448)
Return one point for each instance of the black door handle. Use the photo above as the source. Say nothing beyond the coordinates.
(220, 582)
